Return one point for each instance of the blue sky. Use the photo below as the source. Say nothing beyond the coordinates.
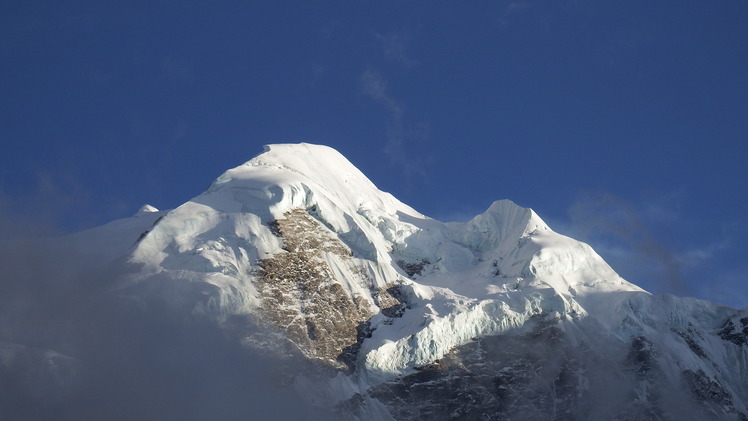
(624, 124)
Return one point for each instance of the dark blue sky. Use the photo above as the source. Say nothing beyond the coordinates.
(624, 124)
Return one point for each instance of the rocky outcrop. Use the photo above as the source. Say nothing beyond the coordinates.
(735, 331)
(536, 375)
(301, 295)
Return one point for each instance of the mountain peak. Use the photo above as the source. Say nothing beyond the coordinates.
(515, 214)
(305, 175)
(296, 252)
(146, 209)
(304, 162)
(318, 162)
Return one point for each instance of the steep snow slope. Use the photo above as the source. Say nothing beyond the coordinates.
(463, 270)
(300, 243)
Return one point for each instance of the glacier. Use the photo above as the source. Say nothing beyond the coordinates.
(297, 254)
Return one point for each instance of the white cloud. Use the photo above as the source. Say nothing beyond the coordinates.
(394, 46)
(375, 87)
(644, 243)
(606, 218)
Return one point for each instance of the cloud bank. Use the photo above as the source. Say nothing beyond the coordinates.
(73, 347)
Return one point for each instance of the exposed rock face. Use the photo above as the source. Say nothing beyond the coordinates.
(412, 268)
(301, 295)
(391, 301)
(531, 376)
(735, 331)
(544, 374)
(711, 392)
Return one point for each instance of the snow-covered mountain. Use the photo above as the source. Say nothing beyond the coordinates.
(297, 255)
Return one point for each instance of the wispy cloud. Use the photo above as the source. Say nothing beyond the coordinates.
(700, 255)
(316, 71)
(375, 87)
(55, 200)
(609, 218)
(123, 348)
(404, 137)
(727, 287)
(394, 45)
(641, 241)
